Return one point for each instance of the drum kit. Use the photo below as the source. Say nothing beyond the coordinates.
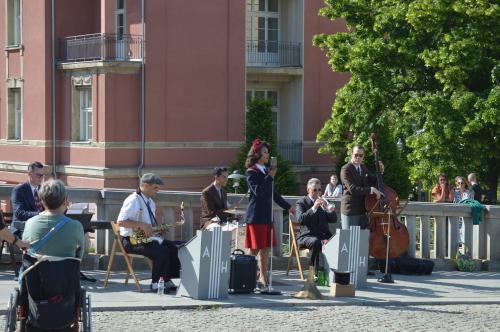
(233, 224)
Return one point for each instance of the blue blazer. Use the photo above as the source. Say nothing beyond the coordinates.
(23, 205)
(261, 192)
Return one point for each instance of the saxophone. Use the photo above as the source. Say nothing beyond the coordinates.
(138, 236)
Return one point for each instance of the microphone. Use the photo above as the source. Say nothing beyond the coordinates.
(273, 163)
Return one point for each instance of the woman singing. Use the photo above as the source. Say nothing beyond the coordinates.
(259, 212)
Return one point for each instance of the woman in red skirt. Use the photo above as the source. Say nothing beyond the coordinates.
(259, 212)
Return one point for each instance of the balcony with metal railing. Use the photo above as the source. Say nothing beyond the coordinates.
(97, 48)
(268, 53)
(291, 151)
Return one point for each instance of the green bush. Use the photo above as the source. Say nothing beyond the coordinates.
(259, 124)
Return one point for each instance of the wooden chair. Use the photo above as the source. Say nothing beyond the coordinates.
(129, 258)
(7, 219)
(294, 229)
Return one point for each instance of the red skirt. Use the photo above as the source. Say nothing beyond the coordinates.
(259, 236)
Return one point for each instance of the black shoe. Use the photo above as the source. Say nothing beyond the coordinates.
(83, 277)
(170, 286)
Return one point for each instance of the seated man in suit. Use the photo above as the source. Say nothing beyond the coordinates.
(214, 199)
(25, 200)
(314, 214)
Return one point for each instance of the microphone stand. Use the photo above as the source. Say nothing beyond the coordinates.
(270, 290)
(387, 277)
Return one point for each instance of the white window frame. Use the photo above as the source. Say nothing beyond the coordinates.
(18, 113)
(14, 112)
(275, 108)
(86, 113)
(13, 17)
(120, 42)
(266, 14)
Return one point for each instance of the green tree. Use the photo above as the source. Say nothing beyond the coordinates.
(260, 124)
(425, 73)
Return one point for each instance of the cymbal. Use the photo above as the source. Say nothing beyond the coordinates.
(235, 212)
(236, 176)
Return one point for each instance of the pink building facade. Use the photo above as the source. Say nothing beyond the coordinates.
(104, 90)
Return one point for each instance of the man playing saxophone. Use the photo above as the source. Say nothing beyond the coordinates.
(138, 214)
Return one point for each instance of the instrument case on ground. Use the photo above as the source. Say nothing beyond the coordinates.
(243, 273)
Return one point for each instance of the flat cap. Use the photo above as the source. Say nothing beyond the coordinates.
(151, 179)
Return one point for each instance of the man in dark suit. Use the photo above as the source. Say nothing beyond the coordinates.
(214, 199)
(358, 182)
(24, 198)
(314, 214)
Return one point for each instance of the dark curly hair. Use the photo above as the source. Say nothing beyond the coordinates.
(254, 156)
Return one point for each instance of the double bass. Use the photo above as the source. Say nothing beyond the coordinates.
(383, 217)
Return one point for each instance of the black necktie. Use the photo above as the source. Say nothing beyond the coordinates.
(38, 204)
(152, 218)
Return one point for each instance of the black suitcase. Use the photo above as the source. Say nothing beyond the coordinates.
(243, 273)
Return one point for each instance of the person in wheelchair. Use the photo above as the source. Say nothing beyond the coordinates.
(69, 240)
(50, 296)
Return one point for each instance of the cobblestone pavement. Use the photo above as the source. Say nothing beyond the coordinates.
(348, 318)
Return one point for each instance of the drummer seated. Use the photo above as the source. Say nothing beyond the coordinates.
(214, 199)
(314, 214)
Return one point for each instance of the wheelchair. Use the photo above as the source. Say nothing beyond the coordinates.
(49, 298)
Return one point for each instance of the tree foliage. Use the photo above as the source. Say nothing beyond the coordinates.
(260, 124)
(425, 73)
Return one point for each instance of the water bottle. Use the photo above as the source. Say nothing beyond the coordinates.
(161, 286)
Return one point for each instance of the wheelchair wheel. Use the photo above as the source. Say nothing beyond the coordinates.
(86, 311)
(11, 319)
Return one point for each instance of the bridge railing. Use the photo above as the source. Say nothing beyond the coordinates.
(433, 228)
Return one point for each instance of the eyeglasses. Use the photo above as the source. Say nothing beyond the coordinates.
(317, 190)
(359, 155)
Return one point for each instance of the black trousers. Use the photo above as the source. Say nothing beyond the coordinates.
(166, 263)
(314, 244)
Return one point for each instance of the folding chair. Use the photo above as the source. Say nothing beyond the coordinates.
(127, 256)
(294, 229)
(7, 218)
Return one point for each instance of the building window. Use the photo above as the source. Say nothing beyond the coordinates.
(85, 96)
(15, 115)
(13, 22)
(263, 24)
(120, 29)
(81, 109)
(271, 95)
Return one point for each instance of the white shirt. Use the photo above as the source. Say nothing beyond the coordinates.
(262, 168)
(134, 208)
(33, 188)
(218, 189)
(333, 192)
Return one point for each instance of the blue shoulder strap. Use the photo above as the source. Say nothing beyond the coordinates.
(34, 248)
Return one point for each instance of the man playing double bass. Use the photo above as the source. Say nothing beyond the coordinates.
(358, 182)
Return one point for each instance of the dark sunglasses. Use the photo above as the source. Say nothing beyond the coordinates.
(360, 155)
(460, 183)
(317, 190)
